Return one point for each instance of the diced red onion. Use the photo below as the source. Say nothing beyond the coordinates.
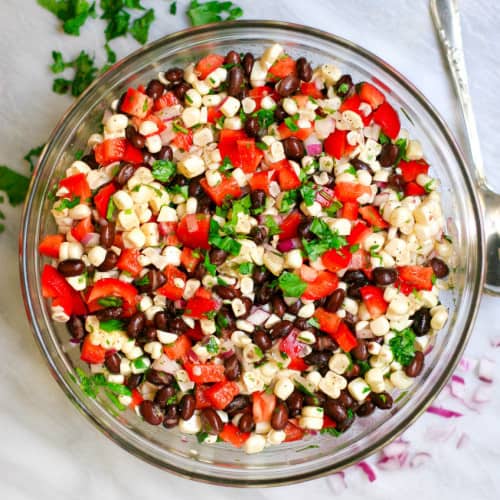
(482, 394)
(428, 349)
(75, 341)
(336, 482)
(365, 333)
(443, 412)
(381, 184)
(466, 364)
(419, 459)
(486, 370)
(90, 240)
(180, 304)
(277, 218)
(165, 364)
(389, 463)
(368, 470)
(395, 449)
(314, 149)
(287, 245)
(462, 440)
(258, 317)
(192, 356)
(381, 198)
(226, 354)
(457, 378)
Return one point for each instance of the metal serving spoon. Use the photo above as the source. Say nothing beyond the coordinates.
(446, 19)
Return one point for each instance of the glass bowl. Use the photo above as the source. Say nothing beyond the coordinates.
(318, 455)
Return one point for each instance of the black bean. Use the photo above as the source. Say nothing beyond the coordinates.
(158, 377)
(187, 406)
(279, 418)
(259, 275)
(112, 362)
(235, 79)
(199, 271)
(76, 327)
(149, 333)
(342, 427)
(125, 173)
(171, 416)
(252, 127)
(354, 275)
(247, 63)
(136, 139)
(210, 421)
(294, 307)
(151, 413)
(281, 329)
(133, 381)
(259, 234)
(218, 256)
(318, 358)
(396, 182)
(109, 261)
(344, 86)
(383, 276)
(294, 148)
(367, 408)
(160, 320)
(336, 411)
(346, 400)
(155, 89)
(382, 400)
(195, 188)
(440, 268)
(109, 313)
(287, 86)
(163, 394)
(415, 367)
(174, 75)
(136, 324)
(180, 90)
(388, 155)
(295, 402)
(325, 343)
(361, 165)
(232, 57)
(155, 279)
(360, 352)
(90, 160)
(106, 233)
(177, 325)
(278, 305)
(238, 404)
(262, 340)
(232, 367)
(226, 292)
(304, 70)
(246, 423)
(352, 372)
(258, 198)
(335, 300)
(263, 294)
(421, 321)
(279, 113)
(316, 399)
(247, 304)
(354, 290)
(71, 267)
(301, 324)
(304, 228)
(165, 153)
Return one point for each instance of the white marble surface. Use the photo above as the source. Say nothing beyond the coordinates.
(48, 451)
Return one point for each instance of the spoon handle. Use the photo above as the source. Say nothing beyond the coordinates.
(446, 17)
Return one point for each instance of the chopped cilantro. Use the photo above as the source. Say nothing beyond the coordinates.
(224, 243)
(343, 88)
(67, 203)
(73, 13)
(227, 167)
(402, 346)
(111, 325)
(85, 72)
(201, 436)
(433, 279)
(163, 170)
(333, 208)
(288, 200)
(331, 431)
(265, 117)
(177, 127)
(354, 248)
(211, 268)
(13, 184)
(262, 146)
(401, 144)
(182, 190)
(119, 389)
(327, 239)
(302, 388)
(173, 8)
(110, 301)
(313, 322)
(258, 352)
(308, 194)
(212, 345)
(383, 139)
(291, 284)
(140, 27)
(272, 225)
(364, 366)
(110, 210)
(291, 124)
(241, 206)
(246, 268)
(143, 281)
(350, 170)
(211, 12)
(350, 413)
(58, 66)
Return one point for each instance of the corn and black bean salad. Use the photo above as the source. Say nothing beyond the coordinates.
(249, 251)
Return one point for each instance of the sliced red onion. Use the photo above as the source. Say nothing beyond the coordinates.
(443, 412)
(368, 470)
(396, 449)
(462, 440)
(467, 364)
(258, 317)
(482, 394)
(389, 463)
(486, 370)
(90, 240)
(458, 379)
(192, 356)
(419, 459)
(287, 245)
(336, 482)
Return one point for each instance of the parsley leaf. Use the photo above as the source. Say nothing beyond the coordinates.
(163, 170)
(272, 225)
(140, 27)
(110, 301)
(210, 12)
(33, 153)
(402, 346)
(291, 284)
(111, 325)
(13, 184)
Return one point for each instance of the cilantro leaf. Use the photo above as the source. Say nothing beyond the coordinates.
(211, 268)
(224, 243)
(383, 139)
(272, 225)
(327, 239)
(15, 185)
(67, 203)
(226, 166)
(111, 325)
(140, 27)
(290, 123)
(143, 281)
(265, 117)
(308, 194)
(210, 12)
(163, 170)
(176, 189)
(291, 284)
(241, 206)
(288, 200)
(59, 65)
(173, 8)
(117, 25)
(73, 13)
(61, 85)
(110, 301)
(212, 346)
(246, 268)
(85, 72)
(402, 346)
(33, 153)
(401, 144)
(333, 208)
(201, 436)
(331, 431)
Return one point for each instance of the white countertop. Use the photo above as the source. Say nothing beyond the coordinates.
(48, 451)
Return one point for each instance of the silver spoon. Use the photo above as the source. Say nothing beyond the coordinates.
(446, 19)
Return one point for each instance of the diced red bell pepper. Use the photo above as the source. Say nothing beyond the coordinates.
(325, 196)
(132, 154)
(419, 277)
(193, 229)
(228, 188)
(310, 89)
(195, 333)
(386, 116)
(208, 64)
(358, 233)
(198, 308)
(284, 66)
(168, 232)
(301, 100)
(77, 186)
(371, 215)
(345, 338)
(222, 393)
(335, 144)
(91, 353)
(101, 199)
(205, 373)
(301, 133)
(288, 179)
(289, 226)
(335, 260)
(414, 189)
(350, 191)
(351, 103)
(410, 170)
(190, 259)
(203, 293)
(49, 246)
(260, 181)
(137, 399)
(110, 150)
(136, 103)
(170, 288)
(263, 405)
(179, 349)
(325, 284)
(232, 435)
(129, 261)
(328, 322)
(183, 141)
(82, 228)
(292, 348)
(201, 398)
(112, 287)
(228, 144)
(258, 93)
(370, 94)
(328, 423)
(165, 101)
(373, 298)
(350, 210)
(249, 155)
(213, 114)
(278, 165)
(293, 432)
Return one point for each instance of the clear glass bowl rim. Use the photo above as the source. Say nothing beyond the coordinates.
(464, 175)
